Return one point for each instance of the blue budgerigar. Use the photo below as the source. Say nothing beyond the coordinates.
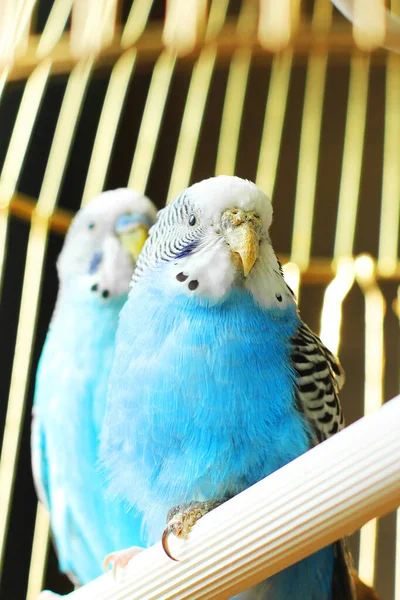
(216, 381)
(95, 268)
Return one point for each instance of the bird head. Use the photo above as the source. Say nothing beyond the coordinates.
(104, 242)
(212, 238)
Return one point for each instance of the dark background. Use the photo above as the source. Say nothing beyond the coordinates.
(14, 578)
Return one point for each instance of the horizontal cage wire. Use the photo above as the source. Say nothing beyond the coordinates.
(103, 94)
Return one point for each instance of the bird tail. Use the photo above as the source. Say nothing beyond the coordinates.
(343, 586)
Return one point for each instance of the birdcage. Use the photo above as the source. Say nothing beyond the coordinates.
(97, 94)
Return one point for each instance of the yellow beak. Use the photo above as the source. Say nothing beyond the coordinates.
(243, 238)
(134, 240)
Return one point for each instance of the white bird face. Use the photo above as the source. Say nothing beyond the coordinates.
(104, 242)
(213, 238)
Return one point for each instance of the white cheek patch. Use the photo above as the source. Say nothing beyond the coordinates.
(265, 282)
(207, 273)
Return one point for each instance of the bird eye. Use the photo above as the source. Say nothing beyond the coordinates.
(91, 225)
(192, 220)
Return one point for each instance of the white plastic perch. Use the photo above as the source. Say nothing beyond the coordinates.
(329, 492)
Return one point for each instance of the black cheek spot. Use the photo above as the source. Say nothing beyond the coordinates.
(278, 297)
(105, 293)
(181, 277)
(94, 287)
(193, 284)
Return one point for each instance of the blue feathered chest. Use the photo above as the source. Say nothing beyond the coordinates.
(201, 398)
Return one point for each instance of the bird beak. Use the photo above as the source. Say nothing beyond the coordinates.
(133, 241)
(132, 231)
(242, 232)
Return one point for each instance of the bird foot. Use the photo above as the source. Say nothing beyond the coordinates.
(120, 559)
(181, 519)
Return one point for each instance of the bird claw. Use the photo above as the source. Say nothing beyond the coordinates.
(120, 559)
(181, 518)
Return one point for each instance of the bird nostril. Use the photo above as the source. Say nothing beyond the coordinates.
(94, 287)
(105, 293)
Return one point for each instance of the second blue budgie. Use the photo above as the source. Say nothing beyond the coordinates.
(95, 268)
(216, 381)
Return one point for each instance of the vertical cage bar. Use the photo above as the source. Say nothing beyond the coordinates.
(192, 121)
(352, 156)
(17, 148)
(310, 142)
(390, 209)
(397, 551)
(232, 113)
(195, 105)
(40, 547)
(183, 39)
(275, 111)
(394, 90)
(274, 28)
(136, 22)
(335, 293)
(108, 124)
(373, 394)
(235, 96)
(54, 27)
(37, 243)
(292, 276)
(151, 121)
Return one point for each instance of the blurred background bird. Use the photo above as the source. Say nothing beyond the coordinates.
(94, 268)
(216, 381)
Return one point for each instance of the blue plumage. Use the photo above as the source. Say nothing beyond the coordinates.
(69, 406)
(94, 269)
(202, 405)
(216, 382)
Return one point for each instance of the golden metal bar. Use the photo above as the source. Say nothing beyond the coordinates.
(309, 143)
(54, 27)
(390, 210)
(235, 96)
(56, 165)
(273, 122)
(40, 547)
(335, 293)
(373, 395)
(338, 42)
(17, 148)
(136, 22)
(151, 121)
(352, 156)
(23, 207)
(108, 124)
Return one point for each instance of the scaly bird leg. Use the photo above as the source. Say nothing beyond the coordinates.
(181, 519)
(120, 559)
